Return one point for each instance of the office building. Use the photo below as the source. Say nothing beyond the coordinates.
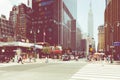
(112, 23)
(20, 17)
(101, 39)
(6, 30)
(52, 21)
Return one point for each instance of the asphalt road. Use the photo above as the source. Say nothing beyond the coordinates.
(40, 71)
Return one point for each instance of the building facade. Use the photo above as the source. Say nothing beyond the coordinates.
(101, 39)
(14, 19)
(72, 6)
(112, 29)
(6, 30)
(20, 17)
(52, 22)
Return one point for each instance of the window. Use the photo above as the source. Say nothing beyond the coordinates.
(45, 8)
(50, 29)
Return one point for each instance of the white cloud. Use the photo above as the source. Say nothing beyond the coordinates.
(16, 2)
(5, 7)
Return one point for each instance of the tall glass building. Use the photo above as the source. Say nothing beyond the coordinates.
(55, 20)
(72, 6)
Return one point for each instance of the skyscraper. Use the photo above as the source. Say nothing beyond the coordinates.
(56, 21)
(21, 20)
(72, 6)
(90, 40)
(90, 21)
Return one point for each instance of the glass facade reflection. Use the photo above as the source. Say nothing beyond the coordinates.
(72, 6)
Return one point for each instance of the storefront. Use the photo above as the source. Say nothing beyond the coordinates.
(11, 49)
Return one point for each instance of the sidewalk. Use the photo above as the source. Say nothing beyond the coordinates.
(43, 60)
(116, 62)
(98, 71)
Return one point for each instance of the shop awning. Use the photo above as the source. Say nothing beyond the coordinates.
(20, 44)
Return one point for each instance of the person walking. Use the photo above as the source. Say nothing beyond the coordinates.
(20, 59)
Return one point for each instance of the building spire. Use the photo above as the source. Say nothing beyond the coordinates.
(90, 5)
(90, 20)
(28, 3)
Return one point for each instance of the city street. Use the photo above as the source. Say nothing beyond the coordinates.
(41, 71)
(60, 70)
(59, 40)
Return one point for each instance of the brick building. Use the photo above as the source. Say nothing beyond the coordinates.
(112, 29)
(6, 30)
(20, 17)
(54, 23)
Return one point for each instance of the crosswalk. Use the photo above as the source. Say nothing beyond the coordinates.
(98, 72)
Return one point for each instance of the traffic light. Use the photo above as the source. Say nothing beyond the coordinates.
(90, 48)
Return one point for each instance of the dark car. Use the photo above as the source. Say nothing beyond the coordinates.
(65, 57)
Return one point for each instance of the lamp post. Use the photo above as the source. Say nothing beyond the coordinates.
(44, 34)
(112, 47)
(35, 34)
(58, 23)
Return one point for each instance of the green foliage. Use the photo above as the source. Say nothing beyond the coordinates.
(46, 50)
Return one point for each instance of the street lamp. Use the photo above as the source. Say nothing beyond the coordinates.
(58, 23)
(44, 34)
(3, 50)
(112, 41)
(35, 34)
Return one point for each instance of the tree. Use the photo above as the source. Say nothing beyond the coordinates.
(46, 50)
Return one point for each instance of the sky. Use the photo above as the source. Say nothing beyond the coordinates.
(98, 7)
(6, 6)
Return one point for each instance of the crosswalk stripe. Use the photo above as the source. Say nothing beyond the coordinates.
(97, 72)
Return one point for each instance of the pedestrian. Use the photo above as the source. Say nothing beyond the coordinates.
(76, 58)
(46, 60)
(30, 58)
(111, 59)
(20, 59)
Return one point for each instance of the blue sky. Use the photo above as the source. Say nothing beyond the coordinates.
(82, 13)
(98, 13)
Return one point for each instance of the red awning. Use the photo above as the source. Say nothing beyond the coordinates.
(57, 51)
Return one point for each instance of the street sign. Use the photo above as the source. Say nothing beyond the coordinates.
(111, 46)
(116, 44)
